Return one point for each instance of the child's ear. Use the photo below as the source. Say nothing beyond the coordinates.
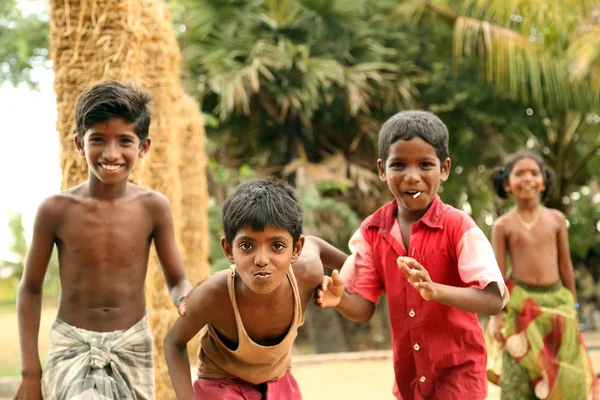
(381, 169)
(144, 147)
(79, 144)
(445, 172)
(298, 249)
(227, 249)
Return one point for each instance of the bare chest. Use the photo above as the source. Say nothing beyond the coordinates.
(105, 232)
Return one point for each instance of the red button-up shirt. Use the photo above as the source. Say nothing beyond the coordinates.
(439, 351)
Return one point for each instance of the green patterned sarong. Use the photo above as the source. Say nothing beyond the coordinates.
(544, 356)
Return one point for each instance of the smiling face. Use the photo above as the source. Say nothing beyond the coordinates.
(262, 258)
(526, 181)
(111, 149)
(413, 173)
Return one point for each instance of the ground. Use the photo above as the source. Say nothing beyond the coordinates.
(366, 375)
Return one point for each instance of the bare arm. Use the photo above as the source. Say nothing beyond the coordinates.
(167, 250)
(565, 265)
(29, 302)
(330, 256)
(481, 301)
(184, 329)
(332, 293)
(499, 245)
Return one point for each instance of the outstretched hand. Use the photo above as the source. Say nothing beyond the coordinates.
(418, 277)
(330, 293)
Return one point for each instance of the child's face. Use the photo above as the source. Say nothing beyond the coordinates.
(526, 180)
(413, 173)
(262, 258)
(111, 149)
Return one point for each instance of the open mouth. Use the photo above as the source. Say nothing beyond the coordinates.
(111, 167)
(414, 193)
(262, 275)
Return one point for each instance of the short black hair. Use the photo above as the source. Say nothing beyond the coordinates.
(111, 99)
(259, 203)
(406, 125)
(500, 175)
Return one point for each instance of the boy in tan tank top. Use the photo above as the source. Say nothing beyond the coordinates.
(252, 311)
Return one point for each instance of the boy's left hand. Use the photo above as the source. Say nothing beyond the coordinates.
(418, 277)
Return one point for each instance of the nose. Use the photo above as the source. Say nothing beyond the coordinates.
(110, 152)
(412, 175)
(261, 258)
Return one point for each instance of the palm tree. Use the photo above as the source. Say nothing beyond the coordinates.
(129, 40)
(544, 54)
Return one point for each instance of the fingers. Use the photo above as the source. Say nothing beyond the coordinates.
(326, 281)
(411, 263)
(335, 277)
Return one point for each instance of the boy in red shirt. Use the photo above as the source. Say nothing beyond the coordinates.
(435, 265)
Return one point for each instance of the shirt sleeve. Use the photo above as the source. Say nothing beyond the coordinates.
(477, 263)
(358, 272)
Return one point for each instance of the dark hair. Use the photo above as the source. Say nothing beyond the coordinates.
(500, 175)
(406, 125)
(111, 99)
(259, 203)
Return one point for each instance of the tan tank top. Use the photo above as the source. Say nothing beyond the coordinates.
(250, 361)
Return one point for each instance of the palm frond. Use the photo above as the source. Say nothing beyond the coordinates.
(517, 66)
(584, 52)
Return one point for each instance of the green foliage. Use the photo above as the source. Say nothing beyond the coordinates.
(23, 42)
(11, 271)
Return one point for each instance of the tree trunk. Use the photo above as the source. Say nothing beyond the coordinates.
(134, 40)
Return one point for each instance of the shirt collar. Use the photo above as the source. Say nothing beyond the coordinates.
(385, 217)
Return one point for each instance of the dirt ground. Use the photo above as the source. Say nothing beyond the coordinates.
(366, 378)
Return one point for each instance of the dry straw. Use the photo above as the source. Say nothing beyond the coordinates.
(133, 40)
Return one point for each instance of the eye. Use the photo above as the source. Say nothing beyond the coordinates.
(278, 246)
(396, 165)
(96, 139)
(245, 246)
(427, 164)
(126, 141)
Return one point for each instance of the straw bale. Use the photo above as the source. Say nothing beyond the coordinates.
(94, 40)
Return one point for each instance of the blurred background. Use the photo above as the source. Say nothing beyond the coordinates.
(299, 88)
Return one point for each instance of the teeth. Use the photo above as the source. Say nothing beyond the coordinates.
(110, 167)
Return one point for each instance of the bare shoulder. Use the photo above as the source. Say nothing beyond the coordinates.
(59, 204)
(557, 217)
(503, 221)
(556, 214)
(156, 203)
(209, 293)
(308, 271)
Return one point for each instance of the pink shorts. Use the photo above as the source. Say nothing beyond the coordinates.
(285, 387)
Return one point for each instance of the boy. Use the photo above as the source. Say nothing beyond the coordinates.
(251, 311)
(100, 343)
(418, 249)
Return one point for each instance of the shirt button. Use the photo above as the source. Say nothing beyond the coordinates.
(416, 347)
(412, 313)
(422, 379)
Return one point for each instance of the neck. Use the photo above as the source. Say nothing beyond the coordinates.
(527, 206)
(258, 299)
(100, 190)
(410, 217)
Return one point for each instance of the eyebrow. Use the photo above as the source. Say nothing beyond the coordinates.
(281, 238)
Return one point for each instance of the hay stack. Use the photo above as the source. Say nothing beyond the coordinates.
(92, 40)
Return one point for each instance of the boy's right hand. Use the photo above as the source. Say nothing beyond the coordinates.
(331, 291)
(29, 389)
